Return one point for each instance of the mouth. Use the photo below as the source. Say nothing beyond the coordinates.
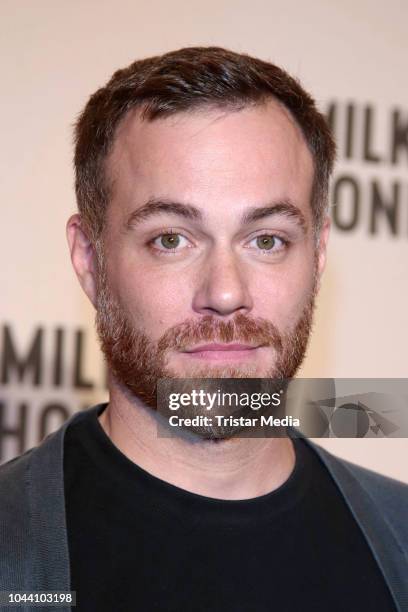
(222, 352)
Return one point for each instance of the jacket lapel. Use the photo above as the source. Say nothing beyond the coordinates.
(367, 498)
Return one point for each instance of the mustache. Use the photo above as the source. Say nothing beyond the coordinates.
(210, 329)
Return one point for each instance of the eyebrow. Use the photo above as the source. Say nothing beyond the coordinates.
(156, 206)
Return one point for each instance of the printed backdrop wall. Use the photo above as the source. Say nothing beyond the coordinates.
(350, 54)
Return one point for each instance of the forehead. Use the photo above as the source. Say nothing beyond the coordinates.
(217, 159)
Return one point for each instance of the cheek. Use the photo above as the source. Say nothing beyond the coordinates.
(154, 302)
(282, 295)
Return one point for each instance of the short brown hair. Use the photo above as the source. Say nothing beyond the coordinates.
(184, 80)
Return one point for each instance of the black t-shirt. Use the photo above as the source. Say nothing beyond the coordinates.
(139, 543)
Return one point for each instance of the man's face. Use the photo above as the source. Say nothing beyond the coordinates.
(208, 239)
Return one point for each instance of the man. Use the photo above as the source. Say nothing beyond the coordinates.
(202, 180)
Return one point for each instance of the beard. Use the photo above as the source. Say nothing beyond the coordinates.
(137, 363)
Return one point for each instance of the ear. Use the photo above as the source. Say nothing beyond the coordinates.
(322, 249)
(83, 256)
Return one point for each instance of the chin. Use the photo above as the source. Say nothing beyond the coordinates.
(219, 371)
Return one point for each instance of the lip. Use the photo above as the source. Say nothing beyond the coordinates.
(222, 347)
(223, 352)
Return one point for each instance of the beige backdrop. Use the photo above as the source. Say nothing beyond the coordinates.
(54, 54)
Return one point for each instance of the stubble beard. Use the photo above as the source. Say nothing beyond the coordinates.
(137, 363)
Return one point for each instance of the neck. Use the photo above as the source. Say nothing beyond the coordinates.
(239, 468)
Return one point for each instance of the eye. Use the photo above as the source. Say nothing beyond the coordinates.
(169, 242)
(270, 243)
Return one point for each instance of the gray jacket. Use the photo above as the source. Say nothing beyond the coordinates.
(33, 536)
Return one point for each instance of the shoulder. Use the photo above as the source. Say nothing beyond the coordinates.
(367, 492)
(388, 493)
(15, 513)
(13, 479)
(32, 512)
(33, 468)
(382, 487)
(376, 481)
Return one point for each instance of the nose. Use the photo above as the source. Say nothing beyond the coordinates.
(222, 287)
